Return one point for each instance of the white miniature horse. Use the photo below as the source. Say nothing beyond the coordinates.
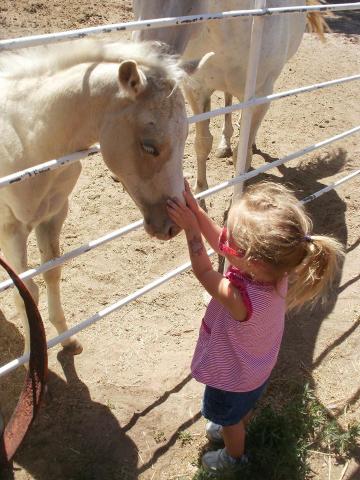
(64, 98)
(176, 37)
(225, 70)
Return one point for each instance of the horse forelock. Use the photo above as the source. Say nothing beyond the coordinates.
(151, 56)
(53, 58)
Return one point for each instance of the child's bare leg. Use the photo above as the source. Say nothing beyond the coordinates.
(234, 436)
(234, 439)
(247, 418)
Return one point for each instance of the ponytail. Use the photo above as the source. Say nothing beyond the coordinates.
(313, 278)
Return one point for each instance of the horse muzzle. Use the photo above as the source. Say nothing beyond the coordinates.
(166, 231)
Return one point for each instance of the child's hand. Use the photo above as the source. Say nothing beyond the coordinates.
(182, 215)
(190, 200)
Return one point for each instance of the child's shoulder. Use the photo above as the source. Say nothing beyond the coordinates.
(242, 278)
(256, 288)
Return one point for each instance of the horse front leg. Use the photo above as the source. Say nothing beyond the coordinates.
(48, 234)
(224, 148)
(258, 113)
(200, 102)
(13, 243)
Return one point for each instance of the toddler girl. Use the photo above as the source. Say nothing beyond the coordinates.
(276, 264)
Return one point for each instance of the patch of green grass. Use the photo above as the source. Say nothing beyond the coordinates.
(278, 440)
(185, 438)
(159, 437)
(110, 405)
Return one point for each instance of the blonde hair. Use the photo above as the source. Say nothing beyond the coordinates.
(271, 226)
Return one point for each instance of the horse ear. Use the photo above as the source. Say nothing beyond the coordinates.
(193, 66)
(131, 78)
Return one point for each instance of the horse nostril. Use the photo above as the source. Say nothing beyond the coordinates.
(173, 230)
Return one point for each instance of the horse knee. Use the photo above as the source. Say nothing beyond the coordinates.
(34, 292)
(247, 160)
(203, 145)
(200, 186)
(52, 276)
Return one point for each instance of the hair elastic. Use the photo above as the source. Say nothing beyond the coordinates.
(307, 238)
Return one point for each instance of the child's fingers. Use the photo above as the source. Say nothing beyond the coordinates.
(177, 215)
(187, 195)
(178, 210)
(174, 218)
(173, 203)
(174, 209)
(179, 205)
(173, 214)
(191, 202)
(188, 189)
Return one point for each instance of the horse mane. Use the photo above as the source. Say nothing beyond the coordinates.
(49, 59)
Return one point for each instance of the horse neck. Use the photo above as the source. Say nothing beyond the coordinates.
(74, 102)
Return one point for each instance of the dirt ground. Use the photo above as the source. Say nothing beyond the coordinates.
(116, 410)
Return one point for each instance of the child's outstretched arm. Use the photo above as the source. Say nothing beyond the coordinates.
(208, 227)
(218, 286)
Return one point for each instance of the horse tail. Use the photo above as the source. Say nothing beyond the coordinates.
(316, 21)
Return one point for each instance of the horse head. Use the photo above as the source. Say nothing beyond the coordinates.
(143, 141)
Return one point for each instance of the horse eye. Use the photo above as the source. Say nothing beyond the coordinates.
(150, 149)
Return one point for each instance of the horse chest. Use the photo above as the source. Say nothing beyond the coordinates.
(28, 211)
(52, 190)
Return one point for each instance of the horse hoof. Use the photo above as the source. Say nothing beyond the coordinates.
(224, 152)
(73, 348)
(115, 178)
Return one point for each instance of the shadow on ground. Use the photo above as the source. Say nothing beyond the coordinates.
(284, 414)
(73, 437)
(346, 21)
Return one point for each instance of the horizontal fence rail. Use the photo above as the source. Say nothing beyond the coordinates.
(271, 98)
(7, 368)
(211, 191)
(34, 40)
(331, 186)
(52, 164)
(30, 172)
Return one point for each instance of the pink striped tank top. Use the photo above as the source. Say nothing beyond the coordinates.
(239, 356)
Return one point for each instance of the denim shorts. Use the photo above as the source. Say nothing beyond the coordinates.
(228, 408)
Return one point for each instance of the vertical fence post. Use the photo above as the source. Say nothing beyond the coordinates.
(250, 88)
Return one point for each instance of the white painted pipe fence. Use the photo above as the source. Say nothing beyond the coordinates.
(249, 92)
(135, 225)
(166, 22)
(7, 368)
(27, 173)
(19, 176)
(271, 98)
(22, 175)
